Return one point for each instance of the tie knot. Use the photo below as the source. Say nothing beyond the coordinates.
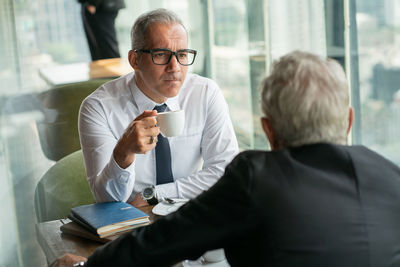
(161, 108)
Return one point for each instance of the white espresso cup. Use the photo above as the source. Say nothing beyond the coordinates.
(171, 123)
(216, 255)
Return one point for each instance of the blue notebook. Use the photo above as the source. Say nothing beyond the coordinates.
(108, 218)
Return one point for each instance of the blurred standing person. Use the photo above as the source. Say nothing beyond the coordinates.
(98, 18)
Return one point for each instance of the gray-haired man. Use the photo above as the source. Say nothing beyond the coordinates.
(117, 125)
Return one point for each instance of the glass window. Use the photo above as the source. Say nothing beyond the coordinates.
(245, 36)
(229, 55)
(379, 75)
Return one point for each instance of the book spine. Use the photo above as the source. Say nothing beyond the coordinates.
(81, 223)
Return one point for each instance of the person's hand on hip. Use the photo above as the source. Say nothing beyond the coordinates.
(91, 9)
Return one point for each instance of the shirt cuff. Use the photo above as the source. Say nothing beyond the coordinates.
(166, 190)
(116, 171)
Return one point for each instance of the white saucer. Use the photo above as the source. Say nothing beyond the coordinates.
(164, 208)
(200, 263)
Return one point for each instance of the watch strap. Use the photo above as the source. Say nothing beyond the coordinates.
(152, 201)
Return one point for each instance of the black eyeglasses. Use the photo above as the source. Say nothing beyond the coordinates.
(162, 56)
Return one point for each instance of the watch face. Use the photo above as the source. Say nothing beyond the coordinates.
(148, 193)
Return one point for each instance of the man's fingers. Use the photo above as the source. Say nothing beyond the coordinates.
(145, 114)
(146, 145)
(146, 139)
(150, 131)
(149, 122)
(142, 133)
(150, 136)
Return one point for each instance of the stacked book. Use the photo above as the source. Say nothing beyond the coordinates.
(105, 219)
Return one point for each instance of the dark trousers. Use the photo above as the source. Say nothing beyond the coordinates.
(100, 33)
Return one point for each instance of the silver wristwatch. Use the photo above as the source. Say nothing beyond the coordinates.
(149, 194)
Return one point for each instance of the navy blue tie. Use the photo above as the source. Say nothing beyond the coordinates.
(163, 156)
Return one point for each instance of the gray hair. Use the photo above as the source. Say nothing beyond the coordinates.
(143, 22)
(306, 99)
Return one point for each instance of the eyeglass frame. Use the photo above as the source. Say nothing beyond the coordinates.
(150, 51)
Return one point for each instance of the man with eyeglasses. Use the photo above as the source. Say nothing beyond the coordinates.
(125, 158)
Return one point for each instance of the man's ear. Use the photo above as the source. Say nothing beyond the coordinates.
(351, 119)
(133, 58)
(270, 133)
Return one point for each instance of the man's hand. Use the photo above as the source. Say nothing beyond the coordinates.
(91, 9)
(67, 260)
(138, 201)
(139, 138)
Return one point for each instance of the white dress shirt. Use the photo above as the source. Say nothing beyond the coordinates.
(199, 155)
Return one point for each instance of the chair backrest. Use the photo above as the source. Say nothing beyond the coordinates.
(62, 187)
(58, 132)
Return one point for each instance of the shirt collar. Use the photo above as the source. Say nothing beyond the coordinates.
(143, 103)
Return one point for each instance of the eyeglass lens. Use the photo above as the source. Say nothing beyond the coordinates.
(183, 57)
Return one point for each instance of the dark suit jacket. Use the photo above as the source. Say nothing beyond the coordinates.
(315, 205)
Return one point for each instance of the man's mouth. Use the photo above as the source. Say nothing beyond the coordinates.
(171, 79)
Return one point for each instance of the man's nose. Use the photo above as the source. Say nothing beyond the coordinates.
(173, 64)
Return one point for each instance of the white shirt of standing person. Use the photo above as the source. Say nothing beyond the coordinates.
(199, 155)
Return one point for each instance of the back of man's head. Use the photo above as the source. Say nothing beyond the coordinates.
(306, 100)
(143, 22)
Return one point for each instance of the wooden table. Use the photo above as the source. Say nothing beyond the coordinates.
(84, 71)
(55, 244)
